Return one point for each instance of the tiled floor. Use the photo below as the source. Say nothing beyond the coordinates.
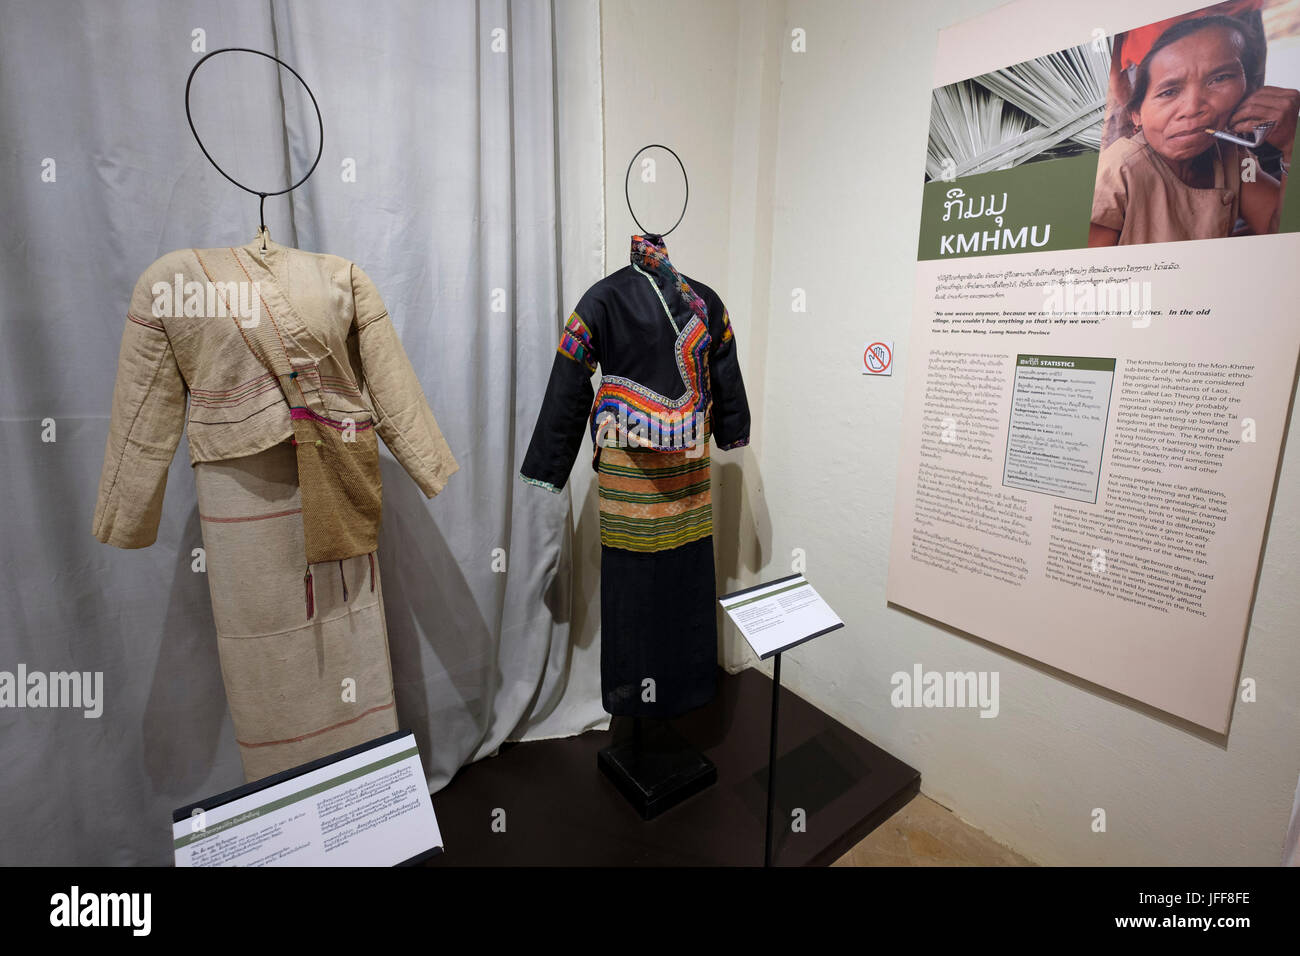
(924, 833)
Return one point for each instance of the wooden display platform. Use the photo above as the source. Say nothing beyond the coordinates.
(560, 810)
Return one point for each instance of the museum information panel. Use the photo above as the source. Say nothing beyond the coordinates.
(1105, 336)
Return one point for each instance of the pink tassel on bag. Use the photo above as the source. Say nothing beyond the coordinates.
(311, 598)
(343, 578)
(371, 556)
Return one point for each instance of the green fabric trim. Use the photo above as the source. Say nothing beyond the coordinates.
(540, 484)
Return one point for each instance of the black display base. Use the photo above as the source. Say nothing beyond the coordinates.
(562, 814)
(655, 768)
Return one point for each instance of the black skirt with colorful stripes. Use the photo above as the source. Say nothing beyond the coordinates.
(657, 591)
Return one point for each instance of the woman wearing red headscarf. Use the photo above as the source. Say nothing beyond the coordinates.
(1172, 179)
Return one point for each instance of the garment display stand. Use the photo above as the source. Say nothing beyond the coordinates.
(654, 767)
(320, 149)
(627, 197)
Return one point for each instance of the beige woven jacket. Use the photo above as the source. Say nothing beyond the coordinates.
(194, 317)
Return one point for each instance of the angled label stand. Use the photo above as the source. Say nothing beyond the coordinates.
(773, 618)
(779, 615)
(365, 806)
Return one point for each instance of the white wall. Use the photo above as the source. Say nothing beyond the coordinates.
(805, 172)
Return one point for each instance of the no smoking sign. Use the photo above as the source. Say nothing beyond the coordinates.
(878, 358)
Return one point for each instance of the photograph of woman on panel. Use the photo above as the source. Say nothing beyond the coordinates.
(1196, 144)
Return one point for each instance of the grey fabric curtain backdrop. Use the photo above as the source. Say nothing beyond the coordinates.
(462, 170)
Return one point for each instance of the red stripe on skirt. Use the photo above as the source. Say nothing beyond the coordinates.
(342, 723)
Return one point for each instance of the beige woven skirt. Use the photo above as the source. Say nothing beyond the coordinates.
(299, 687)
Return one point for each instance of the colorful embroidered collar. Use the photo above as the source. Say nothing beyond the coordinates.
(651, 255)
